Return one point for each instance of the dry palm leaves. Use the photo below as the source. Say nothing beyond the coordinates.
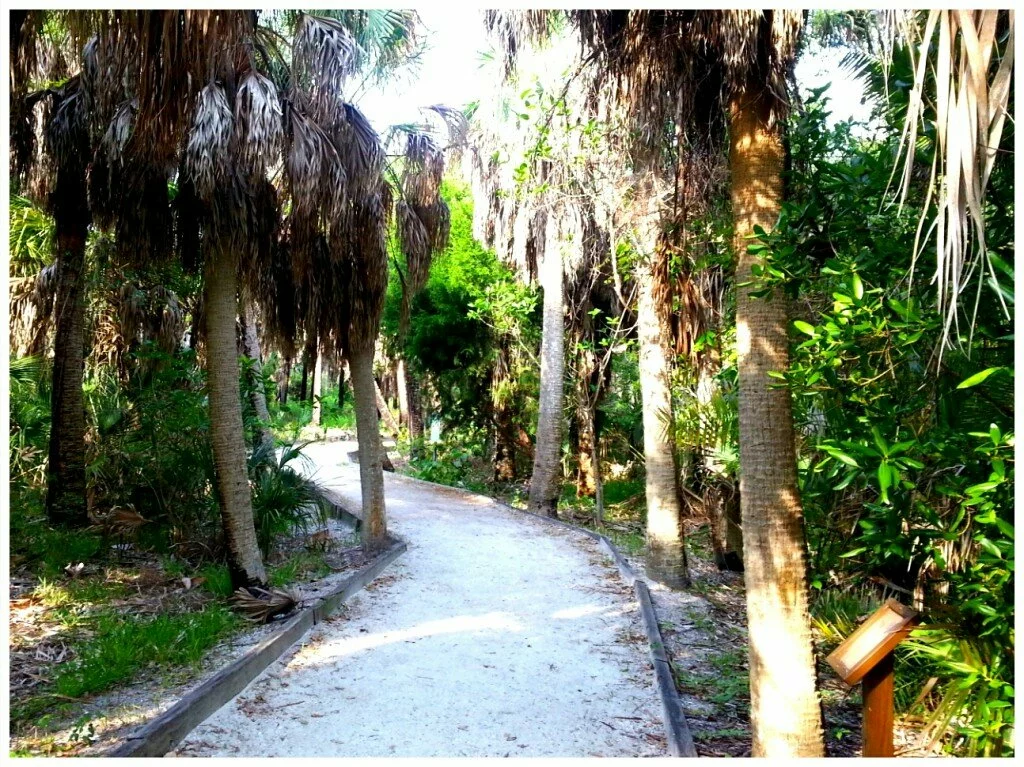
(119, 521)
(262, 605)
(969, 55)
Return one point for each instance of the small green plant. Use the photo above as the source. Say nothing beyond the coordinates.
(283, 500)
(122, 646)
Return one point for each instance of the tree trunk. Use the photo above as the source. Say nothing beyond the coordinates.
(341, 387)
(504, 441)
(371, 475)
(666, 549)
(251, 345)
(226, 431)
(284, 377)
(65, 472)
(385, 411)
(308, 352)
(318, 382)
(785, 715)
(545, 483)
(586, 481)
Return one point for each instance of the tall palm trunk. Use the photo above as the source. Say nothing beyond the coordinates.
(666, 549)
(251, 344)
(226, 431)
(545, 484)
(784, 711)
(65, 473)
(371, 474)
(318, 383)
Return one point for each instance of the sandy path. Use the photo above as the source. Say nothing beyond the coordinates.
(494, 635)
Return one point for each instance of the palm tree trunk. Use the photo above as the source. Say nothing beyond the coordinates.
(65, 473)
(308, 352)
(284, 380)
(318, 382)
(784, 711)
(666, 549)
(545, 483)
(586, 481)
(251, 345)
(371, 475)
(226, 431)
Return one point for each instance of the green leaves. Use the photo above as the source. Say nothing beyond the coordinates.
(982, 376)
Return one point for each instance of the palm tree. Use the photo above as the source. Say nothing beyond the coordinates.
(62, 181)
(674, 66)
(423, 225)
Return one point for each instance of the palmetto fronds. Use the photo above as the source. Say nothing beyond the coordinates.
(261, 605)
(969, 55)
(258, 121)
(208, 156)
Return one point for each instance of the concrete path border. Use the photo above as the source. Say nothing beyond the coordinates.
(166, 730)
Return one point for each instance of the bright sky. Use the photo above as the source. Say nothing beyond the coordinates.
(449, 73)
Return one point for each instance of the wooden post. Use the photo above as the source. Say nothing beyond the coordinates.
(877, 690)
(866, 657)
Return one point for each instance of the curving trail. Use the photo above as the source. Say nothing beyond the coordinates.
(494, 635)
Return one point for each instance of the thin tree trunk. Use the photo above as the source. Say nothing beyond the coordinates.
(545, 483)
(318, 382)
(666, 549)
(251, 345)
(586, 481)
(341, 387)
(504, 441)
(284, 380)
(785, 714)
(403, 392)
(598, 483)
(226, 431)
(308, 352)
(65, 473)
(385, 411)
(371, 475)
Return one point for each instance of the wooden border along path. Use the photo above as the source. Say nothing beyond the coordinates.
(164, 732)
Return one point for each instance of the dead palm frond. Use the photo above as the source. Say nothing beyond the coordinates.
(969, 55)
(261, 605)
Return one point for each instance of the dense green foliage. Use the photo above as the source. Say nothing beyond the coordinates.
(907, 460)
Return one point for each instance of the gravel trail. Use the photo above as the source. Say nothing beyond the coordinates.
(494, 635)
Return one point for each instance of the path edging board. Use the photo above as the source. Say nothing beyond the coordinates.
(677, 731)
(165, 731)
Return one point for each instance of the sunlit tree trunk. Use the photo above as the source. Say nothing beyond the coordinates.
(65, 472)
(666, 549)
(251, 344)
(545, 483)
(785, 714)
(226, 430)
(371, 474)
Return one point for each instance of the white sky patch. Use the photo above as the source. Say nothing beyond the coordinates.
(448, 73)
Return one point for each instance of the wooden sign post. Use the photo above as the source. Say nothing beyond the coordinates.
(866, 656)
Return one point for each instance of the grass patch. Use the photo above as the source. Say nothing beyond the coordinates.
(122, 646)
(724, 682)
(217, 580)
(303, 566)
